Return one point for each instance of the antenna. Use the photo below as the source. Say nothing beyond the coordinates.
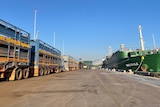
(154, 41)
(141, 37)
(35, 12)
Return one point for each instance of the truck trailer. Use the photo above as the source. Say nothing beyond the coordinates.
(70, 63)
(21, 57)
(45, 59)
(14, 52)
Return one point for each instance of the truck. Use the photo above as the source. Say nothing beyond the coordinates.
(45, 59)
(87, 64)
(70, 63)
(14, 52)
(21, 58)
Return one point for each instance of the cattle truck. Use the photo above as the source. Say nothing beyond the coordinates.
(14, 52)
(45, 59)
(70, 63)
(21, 57)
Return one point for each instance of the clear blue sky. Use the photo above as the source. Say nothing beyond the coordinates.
(88, 27)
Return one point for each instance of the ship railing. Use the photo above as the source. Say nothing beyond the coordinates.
(138, 49)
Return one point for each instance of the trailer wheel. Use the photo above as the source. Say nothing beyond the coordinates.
(41, 71)
(49, 71)
(18, 74)
(57, 71)
(45, 71)
(25, 73)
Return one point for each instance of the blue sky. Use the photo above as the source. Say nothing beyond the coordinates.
(87, 27)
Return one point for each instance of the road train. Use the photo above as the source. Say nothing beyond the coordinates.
(70, 63)
(21, 57)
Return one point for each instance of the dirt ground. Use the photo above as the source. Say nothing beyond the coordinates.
(81, 88)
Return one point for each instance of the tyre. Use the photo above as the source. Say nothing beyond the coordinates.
(25, 73)
(41, 72)
(57, 71)
(49, 71)
(45, 71)
(18, 74)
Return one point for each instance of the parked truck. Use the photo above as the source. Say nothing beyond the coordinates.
(14, 52)
(70, 63)
(44, 58)
(21, 57)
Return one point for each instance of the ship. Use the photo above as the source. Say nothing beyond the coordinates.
(135, 60)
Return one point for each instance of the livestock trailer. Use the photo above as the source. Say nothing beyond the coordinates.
(44, 58)
(70, 63)
(14, 52)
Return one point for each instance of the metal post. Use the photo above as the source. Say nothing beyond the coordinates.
(141, 37)
(35, 12)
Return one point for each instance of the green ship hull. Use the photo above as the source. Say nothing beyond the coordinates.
(134, 60)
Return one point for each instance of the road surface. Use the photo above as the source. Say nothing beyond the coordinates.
(82, 88)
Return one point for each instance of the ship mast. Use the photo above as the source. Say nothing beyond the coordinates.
(141, 37)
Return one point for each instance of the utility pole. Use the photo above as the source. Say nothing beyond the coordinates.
(154, 41)
(35, 32)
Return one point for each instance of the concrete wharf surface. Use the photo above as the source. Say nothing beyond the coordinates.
(82, 88)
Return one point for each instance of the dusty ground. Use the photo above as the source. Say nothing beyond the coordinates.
(82, 88)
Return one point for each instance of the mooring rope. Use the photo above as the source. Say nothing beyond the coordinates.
(142, 58)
